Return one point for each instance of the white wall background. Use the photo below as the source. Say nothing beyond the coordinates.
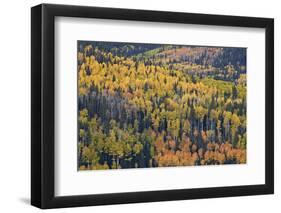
(15, 105)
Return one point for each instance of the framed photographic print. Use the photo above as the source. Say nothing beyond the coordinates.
(139, 106)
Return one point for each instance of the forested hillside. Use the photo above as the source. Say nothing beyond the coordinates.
(152, 105)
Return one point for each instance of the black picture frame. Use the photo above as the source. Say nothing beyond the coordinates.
(43, 105)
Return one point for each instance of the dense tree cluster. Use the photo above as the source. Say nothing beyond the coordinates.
(160, 105)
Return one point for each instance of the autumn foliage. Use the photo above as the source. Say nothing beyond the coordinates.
(146, 105)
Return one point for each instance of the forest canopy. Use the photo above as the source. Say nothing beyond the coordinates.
(160, 105)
